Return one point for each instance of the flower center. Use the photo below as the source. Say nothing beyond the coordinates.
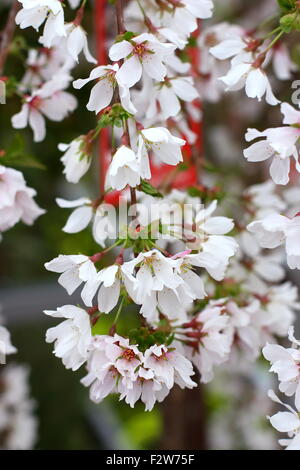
(128, 354)
(35, 102)
(140, 50)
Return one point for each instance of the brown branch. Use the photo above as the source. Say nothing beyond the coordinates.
(120, 17)
(7, 34)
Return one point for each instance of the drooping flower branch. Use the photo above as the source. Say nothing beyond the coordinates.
(203, 289)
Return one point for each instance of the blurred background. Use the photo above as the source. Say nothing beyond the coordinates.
(66, 417)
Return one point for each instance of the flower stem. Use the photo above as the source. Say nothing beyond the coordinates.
(281, 33)
(114, 325)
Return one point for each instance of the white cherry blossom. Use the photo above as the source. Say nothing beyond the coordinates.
(215, 249)
(35, 12)
(180, 19)
(102, 218)
(166, 148)
(157, 284)
(169, 366)
(282, 62)
(210, 340)
(102, 93)
(74, 270)
(253, 78)
(276, 230)
(141, 53)
(76, 159)
(168, 95)
(124, 169)
(116, 366)
(278, 143)
(16, 200)
(286, 421)
(112, 361)
(18, 423)
(77, 42)
(50, 101)
(285, 363)
(72, 338)
(80, 217)
(109, 281)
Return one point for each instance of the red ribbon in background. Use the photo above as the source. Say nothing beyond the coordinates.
(101, 48)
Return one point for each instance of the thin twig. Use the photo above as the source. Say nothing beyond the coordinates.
(7, 34)
(120, 17)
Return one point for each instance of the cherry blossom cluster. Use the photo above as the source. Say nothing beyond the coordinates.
(204, 289)
(285, 363)
(271, 216)
(236, 422)
(16, 200)
(18, 424)
(164, 282)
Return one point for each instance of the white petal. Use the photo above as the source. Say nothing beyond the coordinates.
(284, 421)
(120, 50)
(75, 203)
(78, 220)
(130, 72)
(37, 123)
(259, 151)
(280, 170)
(101, 96)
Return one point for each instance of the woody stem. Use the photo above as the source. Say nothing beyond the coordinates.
(7, 34)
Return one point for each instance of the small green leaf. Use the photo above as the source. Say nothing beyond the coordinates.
(113, 116)
(287, 4)
(18, 47)
(11, 86)
(16, 156)
(126, 36)
(206, 194)
(147, 188)
(290, 22)
(192, 42)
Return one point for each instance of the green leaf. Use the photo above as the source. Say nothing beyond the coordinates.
(287, 4)
(194, 192)
(290, 22)
(206, 194)
(11, 85)
(182, 167)
(147, 188)
(16, 156)
(113, 116)
(192, 42)
(126, 36)
(18, 47)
